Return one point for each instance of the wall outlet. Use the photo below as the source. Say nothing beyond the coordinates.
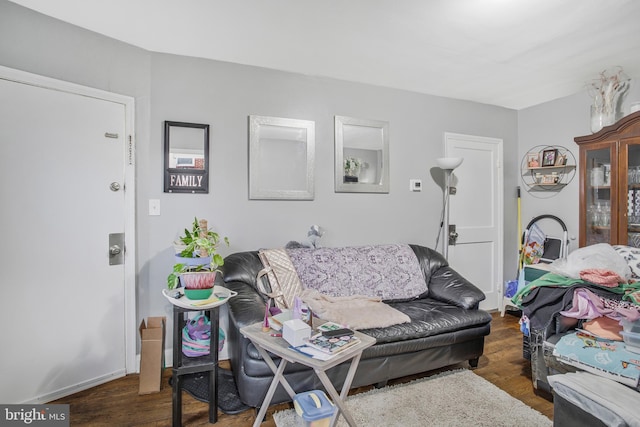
(415, 185)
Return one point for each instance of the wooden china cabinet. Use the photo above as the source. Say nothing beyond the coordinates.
(610, 184)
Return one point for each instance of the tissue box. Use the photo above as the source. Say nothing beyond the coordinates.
(314, 408)
(295, 332)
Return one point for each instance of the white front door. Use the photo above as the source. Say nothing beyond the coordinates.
(476, 210)
(66, 312)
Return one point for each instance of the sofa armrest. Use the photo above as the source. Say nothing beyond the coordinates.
(247, 307)
(449, 286)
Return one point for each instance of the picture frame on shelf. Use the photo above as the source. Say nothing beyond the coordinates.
(549, 157)
(533, 159)
(561, 160)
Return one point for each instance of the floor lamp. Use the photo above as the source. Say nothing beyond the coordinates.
(447, 164)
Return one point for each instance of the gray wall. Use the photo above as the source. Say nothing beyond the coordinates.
(224, 95)
(169, 87)
(557, 123)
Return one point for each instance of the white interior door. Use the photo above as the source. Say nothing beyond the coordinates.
(66, 310)
(476, 210)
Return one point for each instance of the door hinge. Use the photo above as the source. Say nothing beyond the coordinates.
(130, 150)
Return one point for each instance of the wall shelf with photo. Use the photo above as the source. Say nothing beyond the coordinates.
(547, 168)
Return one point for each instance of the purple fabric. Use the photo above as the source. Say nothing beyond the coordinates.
(587, 305)
(384, 271)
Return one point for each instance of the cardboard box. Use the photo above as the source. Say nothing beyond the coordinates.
(151, 354)
(295, 332)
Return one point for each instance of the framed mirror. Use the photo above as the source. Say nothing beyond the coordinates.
(362, 155)
(281, 158)
(186, 157)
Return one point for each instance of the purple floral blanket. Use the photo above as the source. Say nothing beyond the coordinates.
(385, 271)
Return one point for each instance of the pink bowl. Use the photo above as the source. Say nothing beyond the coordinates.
(198, 280)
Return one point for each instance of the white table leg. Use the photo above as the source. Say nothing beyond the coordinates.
(272, 365)
(339, 399)
(278, 378)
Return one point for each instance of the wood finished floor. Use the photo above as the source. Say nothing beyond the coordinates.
(117, 403)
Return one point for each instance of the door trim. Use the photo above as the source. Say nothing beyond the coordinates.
(36, 80)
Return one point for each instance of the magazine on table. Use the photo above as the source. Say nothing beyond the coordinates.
(332, 345)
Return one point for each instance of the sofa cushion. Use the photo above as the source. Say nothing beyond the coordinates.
(433, 324)
(389, 272)
(429, 317)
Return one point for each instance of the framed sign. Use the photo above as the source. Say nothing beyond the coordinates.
(186, 157)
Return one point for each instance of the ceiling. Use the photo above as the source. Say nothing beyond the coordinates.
(510, 53)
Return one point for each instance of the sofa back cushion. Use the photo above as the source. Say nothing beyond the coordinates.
(389, 272)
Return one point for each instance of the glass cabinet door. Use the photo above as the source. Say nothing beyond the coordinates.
(631, 206)
(598, 187)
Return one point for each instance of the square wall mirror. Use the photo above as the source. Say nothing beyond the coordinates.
(281, 158)
(362, 155)
(186, 157)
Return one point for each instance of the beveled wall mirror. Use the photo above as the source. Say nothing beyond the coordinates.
(362, 155)
(186, 157)
(281, 158)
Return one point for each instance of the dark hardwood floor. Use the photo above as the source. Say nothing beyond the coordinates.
(117, 403)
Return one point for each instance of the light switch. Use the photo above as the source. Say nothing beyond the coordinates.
(154, 207)
(415, 185)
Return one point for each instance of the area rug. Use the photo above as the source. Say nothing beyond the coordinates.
(452, 398)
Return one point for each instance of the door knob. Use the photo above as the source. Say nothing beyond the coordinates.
(115, 186)
(116, 248)
(453, 234)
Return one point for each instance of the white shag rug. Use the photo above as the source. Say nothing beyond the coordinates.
(453, 398)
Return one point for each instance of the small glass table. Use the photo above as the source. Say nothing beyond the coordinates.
(265, 344)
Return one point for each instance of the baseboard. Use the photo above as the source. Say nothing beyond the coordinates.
(67, 391)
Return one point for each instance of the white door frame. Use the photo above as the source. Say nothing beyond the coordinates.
(499, 144)
(131, 328)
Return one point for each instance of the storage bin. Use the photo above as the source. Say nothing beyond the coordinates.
(314, 407)
(629, 326)
(631, 341)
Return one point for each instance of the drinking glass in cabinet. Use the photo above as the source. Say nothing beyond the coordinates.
(633, 175)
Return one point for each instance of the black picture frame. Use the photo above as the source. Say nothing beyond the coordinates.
(549, 157)
(186, 176)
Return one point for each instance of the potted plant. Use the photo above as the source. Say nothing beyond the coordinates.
(197, 260)
(352, 166)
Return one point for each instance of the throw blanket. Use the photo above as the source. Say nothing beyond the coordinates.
(387, 272)
(543, 298)
(356, 311)
(629, 291)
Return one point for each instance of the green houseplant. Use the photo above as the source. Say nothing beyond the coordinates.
(197, 252)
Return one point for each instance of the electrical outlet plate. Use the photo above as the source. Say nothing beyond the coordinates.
(415, 185)
(154, 207)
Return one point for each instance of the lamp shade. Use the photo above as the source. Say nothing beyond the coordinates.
(449, 163)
